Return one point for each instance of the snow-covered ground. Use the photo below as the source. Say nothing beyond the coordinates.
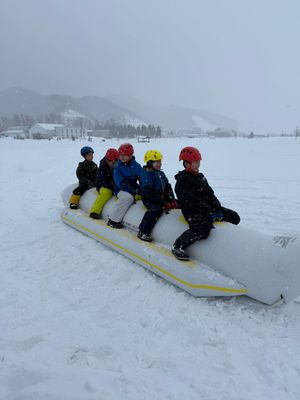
(80, 322)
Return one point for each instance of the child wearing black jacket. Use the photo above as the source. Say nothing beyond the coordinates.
(86, 174)
(104, 182)
(198, 203)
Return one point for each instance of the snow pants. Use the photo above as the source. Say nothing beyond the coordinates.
(78, 192)
(104, 195)
(81, 188)
(125, 200)
(200, 226)
(150, 217)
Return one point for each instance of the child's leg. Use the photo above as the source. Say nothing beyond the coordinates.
(74, 201)
(230, 216)
(104, 195)
(76, 195)
(199, 228)
(149, 220)
(125, 200)
(81, 188)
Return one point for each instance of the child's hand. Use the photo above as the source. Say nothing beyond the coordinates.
(216, 215)
(171, 204)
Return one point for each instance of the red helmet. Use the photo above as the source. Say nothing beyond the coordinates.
(112, 154)
(126, 149)
(190, 154)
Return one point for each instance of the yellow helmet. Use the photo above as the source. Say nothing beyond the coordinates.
(152, 155)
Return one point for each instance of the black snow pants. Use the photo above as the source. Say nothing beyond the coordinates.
(83, 187)
(154, 211)
(200, 226)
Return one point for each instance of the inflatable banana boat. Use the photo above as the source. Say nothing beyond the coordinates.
(233, 260)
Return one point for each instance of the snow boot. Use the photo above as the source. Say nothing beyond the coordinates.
(95, 215)
(146, 237)
(113, 224)
(74, 201)
(180, 253)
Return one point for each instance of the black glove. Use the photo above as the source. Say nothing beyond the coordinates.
(216, 215)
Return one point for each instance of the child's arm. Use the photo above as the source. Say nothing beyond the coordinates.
(187, 199)
(214, 202)
(81, 174)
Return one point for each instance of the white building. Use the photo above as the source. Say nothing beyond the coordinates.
(44, 131)
(47, 131)
(70, 132)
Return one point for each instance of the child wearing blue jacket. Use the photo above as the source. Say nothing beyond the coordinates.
(126, 176)
(157, 193)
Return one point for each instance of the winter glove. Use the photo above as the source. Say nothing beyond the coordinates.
(216, 216)
(137, 197)
(171, 204)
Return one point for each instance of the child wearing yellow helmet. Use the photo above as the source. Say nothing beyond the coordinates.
(157, 193)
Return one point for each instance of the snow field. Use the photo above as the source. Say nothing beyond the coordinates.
(80, 322)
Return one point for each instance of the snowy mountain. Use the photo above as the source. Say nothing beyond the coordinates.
(19, 100)
(175, 117)
(122, 109)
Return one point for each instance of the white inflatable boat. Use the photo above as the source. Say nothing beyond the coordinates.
(233, 260)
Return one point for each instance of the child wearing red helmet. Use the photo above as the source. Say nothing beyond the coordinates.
(126, 179)
(104, 182)
(198, 203)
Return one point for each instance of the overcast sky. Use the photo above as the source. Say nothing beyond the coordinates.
(239, 58)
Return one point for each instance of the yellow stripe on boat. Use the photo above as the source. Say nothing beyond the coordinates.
(154, 266)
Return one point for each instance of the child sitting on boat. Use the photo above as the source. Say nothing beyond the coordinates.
(157, 193)
(104, 182)
(126, 177)
(199, 205)
(86, 173)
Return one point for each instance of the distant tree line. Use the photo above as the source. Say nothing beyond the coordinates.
(127, 130)
(116, 129)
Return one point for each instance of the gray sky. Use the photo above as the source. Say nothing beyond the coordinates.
(239, 58)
